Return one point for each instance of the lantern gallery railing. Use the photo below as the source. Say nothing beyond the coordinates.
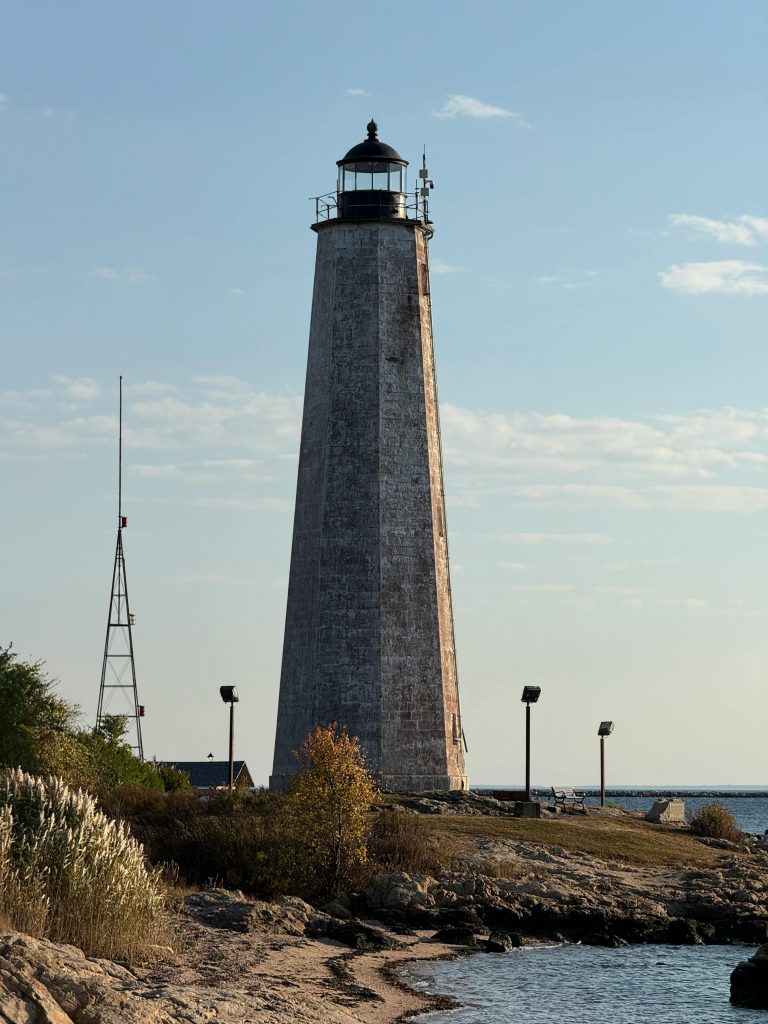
(379, 204)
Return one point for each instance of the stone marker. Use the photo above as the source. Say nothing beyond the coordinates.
(667, 812)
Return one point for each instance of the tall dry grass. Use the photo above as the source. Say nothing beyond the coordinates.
(69, 873)
(402, 842)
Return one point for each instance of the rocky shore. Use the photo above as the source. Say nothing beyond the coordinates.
(238, 960)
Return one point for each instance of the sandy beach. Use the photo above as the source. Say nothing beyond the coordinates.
(295, 979)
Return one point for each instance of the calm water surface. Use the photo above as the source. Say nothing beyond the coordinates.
(750, 812)
(589, 985)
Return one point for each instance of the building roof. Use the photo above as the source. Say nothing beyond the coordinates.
(210, 774)
(372, 149)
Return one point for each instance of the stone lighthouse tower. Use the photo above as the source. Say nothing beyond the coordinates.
(369, 638)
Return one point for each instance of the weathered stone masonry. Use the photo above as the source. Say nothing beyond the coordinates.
(369, 639)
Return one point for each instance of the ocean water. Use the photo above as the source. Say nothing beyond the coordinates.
(750, 812)
(587, 985)
(750, 809)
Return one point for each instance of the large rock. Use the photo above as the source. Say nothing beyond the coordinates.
(399, 893)
(220, 908)
(502, 942)
(353, 933)
(455, 935)
(749, 981)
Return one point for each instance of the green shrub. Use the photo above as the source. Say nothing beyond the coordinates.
(69, 873)
(715, 822)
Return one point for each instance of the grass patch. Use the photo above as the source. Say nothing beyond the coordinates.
(626, 840)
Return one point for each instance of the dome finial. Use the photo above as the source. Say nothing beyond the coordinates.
(373, 129)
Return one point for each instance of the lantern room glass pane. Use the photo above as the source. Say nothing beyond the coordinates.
(396, 176)
(368, 175)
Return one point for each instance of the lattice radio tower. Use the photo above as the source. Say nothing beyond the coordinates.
(118, 670)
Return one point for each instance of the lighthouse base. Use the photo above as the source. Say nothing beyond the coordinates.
(393, 783)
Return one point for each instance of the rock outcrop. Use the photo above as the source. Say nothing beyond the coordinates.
(554, 894)
(749, 981)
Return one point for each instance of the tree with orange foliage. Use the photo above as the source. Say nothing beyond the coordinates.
(331, 798)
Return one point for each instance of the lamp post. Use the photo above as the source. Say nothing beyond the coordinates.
(606, 728)
(530, 695)
(229, 696)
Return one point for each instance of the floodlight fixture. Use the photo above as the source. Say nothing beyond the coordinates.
(531, 694)
(606, 728)
(229, 696)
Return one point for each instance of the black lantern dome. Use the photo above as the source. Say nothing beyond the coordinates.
(372, 181)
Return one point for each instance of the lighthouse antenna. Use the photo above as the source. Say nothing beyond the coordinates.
(425, 187)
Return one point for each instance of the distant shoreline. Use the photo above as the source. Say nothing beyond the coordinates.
(650, 791)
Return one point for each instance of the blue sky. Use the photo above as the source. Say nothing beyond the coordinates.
(600, 293)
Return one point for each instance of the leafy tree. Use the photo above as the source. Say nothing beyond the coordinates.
(39, 733)
(330, 800)
(34, 721)
(116, 764)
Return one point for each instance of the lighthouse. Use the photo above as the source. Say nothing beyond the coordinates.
(369, 637)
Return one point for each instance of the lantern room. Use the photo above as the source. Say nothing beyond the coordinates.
(372, 181)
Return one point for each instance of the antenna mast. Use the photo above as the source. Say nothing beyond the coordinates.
(118, 670)
(425, 187)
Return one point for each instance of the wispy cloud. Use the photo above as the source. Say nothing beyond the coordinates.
(220, 429)
(4, 102)
(245, 504)
(444, 268)
(707, 460)
(547, 588)
(206, 471)
(212, 579)
(623, 591)
(356, 91)
(150, 387)
(84, 388)
(719, 277)
(568, 278)
(744, 230)
(130, 275)
(221, 416)
(556, 538)
(458, 105)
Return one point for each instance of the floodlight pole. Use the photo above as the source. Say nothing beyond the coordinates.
(606, 728)
(527, 752)
(229, 696)
(231, 747)
(530, 695)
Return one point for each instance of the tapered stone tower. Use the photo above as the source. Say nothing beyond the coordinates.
(369, 638)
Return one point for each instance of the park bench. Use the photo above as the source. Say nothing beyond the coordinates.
(566, 796)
